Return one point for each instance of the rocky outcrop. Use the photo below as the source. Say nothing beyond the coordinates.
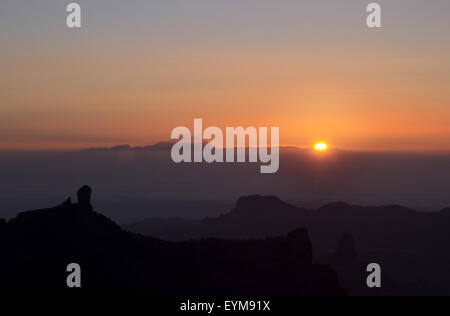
(347, 249)
(40, 245)
(300, 246)
(84, 198)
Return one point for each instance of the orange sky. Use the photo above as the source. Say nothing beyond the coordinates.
(355, 88)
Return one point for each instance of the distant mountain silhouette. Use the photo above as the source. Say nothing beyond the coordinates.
(167, 146)
(127, 147)
(38, 245)
(411, 246)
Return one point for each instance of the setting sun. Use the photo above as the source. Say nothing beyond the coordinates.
(321, 147)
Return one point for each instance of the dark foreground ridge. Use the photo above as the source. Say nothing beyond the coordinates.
(38, 245)
(412, 247)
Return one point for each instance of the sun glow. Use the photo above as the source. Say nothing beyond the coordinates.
(321, 147)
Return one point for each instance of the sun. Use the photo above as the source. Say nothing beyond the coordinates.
(320, 146)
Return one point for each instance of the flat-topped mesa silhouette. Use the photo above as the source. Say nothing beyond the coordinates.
(257, 207)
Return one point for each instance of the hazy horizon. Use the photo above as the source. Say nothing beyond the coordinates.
(128, 184)
(113, 146)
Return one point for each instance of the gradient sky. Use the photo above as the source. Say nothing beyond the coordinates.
(137, 69)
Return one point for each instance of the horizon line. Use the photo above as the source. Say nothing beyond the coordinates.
(128, 146)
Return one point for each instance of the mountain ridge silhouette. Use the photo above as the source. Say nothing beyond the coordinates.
(39, 244)
(404, 241)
